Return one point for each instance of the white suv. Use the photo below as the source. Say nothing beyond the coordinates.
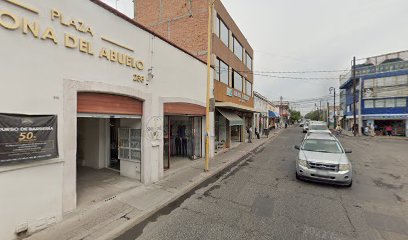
(322, 158)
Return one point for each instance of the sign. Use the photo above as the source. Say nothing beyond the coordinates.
(28, 137)
(154, 128)
(229, 92)
(80, 41)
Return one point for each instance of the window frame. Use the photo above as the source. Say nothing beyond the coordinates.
(234, 41)
(246, 83)
(365, 104)
(222, 23)
(222, 71)
(234, 81)
(246, 60)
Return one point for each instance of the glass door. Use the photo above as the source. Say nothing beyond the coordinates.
(196, 137)
(166, 142)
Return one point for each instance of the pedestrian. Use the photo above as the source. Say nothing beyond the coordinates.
(257, 133)
(371, 130)
(249, 131)
(338, 130)
(388, 129)
(366, 131)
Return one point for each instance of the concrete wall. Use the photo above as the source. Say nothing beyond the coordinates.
(48, 75)
(92, 142)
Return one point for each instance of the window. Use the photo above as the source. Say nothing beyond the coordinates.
(402, 80)
(390, 103)
(379, 103)
(400, 102)
(217, 69)
(248, 88)
(224, 72)
(224, 32)
(248, 61)
(237, 83)
(369, 103)
(369, 83)
(238, 50)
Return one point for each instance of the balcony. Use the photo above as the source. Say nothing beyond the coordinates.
(373, 69)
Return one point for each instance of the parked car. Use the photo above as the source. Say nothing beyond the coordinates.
(305, 127)
(319, 127)
(322, 158)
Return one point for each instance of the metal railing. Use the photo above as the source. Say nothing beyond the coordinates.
(372, 69)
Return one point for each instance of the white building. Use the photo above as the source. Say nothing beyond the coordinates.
(261, 116)
(115, 89)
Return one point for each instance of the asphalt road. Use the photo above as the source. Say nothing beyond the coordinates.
(261, 199)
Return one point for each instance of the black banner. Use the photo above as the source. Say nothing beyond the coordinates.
(27, 137)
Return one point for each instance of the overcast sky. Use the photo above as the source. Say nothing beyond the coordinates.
(306, 35)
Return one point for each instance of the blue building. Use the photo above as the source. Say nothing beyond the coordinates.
(381, 94)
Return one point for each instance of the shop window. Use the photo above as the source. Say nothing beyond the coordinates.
(237, 81)
(369, 103)
(401, 102)
(238, 49)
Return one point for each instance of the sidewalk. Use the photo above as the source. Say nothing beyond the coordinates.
(113, 216)
(350, 134)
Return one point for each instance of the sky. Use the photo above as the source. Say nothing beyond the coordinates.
(311, 35)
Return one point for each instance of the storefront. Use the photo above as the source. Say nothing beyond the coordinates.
(395, 125)
(183, 133)
(92, 96)
(229, 128)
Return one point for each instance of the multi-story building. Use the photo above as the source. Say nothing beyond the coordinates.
(283, 108)
(382, 101)
(185, 23)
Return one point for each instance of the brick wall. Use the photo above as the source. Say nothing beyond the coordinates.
(183, 22)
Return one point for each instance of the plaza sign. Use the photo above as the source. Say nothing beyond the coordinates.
(14, 22)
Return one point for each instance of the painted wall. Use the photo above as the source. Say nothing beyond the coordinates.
(43, 77)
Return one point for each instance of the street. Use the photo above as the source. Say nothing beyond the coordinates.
(261, 199)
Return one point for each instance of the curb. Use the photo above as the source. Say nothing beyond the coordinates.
(178, 198)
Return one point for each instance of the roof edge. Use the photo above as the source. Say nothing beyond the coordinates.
(131, 21)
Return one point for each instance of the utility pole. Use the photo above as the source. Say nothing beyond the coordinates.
(354, 95)
(280, 109)
(320, 109)
(328, 115)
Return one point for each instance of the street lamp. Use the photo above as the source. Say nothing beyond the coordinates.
(334, 105)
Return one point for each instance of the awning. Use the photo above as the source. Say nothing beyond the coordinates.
(234, 119)
(273, 114)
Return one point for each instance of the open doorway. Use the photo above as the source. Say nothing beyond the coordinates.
(182, 140)
(104, 147)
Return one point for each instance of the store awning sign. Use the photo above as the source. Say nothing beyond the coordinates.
(27, 137)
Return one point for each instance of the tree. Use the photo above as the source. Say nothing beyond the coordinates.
(294, 115)
(313, 115)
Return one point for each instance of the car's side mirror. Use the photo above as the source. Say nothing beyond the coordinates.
(297, 147)
(347, 151)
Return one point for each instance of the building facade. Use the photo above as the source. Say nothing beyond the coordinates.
(382, 100)
(87, 87)
(185, 23)
(261, 116)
